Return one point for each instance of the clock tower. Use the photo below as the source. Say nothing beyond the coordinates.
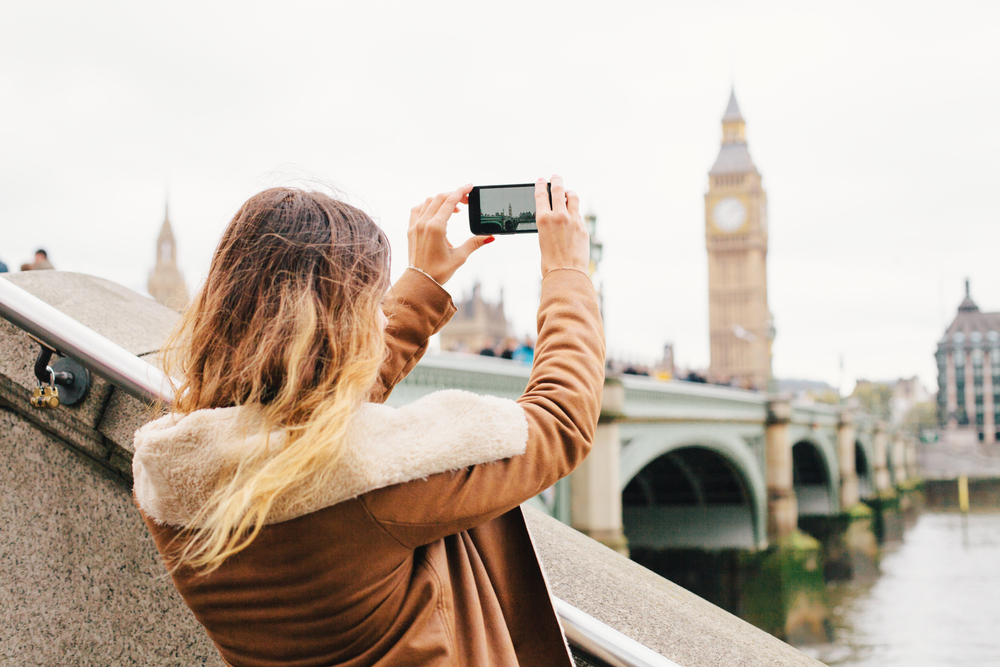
(740, 325)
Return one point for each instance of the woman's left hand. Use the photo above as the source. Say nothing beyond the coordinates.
(427, 238)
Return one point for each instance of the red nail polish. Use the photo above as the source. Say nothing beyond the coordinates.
(489, 240)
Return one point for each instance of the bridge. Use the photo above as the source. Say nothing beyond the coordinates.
(687, 465)
(676, 467)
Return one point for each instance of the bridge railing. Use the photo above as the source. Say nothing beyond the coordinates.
(138, 378)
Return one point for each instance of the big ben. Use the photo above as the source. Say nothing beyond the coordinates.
(740, 325)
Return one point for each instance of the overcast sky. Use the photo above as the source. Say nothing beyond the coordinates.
(875, 126)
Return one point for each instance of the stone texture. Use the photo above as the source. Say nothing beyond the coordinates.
(647, 607)
(80, 580)
(124, 414)
(53, 422)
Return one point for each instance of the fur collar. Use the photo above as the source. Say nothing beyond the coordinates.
(180, 459)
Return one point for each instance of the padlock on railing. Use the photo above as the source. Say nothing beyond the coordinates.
(46, 397)
(68, 381)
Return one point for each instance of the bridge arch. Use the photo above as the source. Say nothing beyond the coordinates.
(717, 492)
(864, 465)
(815, 476)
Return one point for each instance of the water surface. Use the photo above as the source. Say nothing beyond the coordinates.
(936, 604)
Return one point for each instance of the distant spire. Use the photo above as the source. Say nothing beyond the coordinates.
(968, 305)
(733, 109)
(166, 284)
(166, 231)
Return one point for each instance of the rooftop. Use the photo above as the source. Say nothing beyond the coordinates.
(733, 159)
(970, 320)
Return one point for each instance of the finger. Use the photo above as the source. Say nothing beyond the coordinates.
(470, 246)
(450, 204)
(418, 211)
(573, 203)
(558, 194)
(434, 206)
(541, 197)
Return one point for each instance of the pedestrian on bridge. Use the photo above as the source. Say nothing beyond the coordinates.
(306, 523)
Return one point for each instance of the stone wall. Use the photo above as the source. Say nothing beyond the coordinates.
(82, 582)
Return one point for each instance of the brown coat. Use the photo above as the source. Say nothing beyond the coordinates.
(438, 569)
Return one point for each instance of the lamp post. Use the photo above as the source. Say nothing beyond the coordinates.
(596, 252)
(596, 247)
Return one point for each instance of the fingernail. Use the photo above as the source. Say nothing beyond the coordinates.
(489, 240)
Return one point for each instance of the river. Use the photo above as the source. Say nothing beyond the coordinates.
(936, 604)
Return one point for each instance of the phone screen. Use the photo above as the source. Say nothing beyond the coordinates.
(503, 209)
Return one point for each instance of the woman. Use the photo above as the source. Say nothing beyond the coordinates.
(303, 522)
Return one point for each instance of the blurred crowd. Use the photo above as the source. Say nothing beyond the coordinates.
(41, 262)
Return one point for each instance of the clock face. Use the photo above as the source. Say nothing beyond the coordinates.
(729, 214)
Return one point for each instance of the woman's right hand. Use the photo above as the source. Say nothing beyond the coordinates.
(427, 240)
(562, 236)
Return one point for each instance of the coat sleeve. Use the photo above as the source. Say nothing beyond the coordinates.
(417, 308)
(561, 404)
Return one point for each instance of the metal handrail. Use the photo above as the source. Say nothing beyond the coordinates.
(604, 642)
(146, 382)
(71, 338)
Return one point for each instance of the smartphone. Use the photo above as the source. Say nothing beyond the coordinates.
(503, 209)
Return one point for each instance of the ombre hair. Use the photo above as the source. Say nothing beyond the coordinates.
(287, 326)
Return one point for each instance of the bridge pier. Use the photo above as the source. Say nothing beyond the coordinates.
(595, 491)
(886, 515)
(783, 590)
(850, 547)
(909, 487)
(782, 507)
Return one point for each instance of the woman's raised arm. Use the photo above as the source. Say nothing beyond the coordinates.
(561, 404)
(417, 306)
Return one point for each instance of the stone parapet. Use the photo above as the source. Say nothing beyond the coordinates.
(648, 608)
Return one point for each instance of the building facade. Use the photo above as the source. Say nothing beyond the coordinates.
(740, 325)
(166, 284)
(968, 360)
(477, 324)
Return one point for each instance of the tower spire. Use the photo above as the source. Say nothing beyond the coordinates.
(166, 284)
(733, 126)
(968, 305)
(732, 109)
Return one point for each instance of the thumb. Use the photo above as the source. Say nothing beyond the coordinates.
(472, 245)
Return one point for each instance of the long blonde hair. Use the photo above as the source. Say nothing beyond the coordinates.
(286, 325)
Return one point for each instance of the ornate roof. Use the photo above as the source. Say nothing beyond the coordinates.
(970, 319)
(734, 157)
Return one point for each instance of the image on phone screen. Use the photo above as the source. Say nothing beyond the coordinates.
(502, 209)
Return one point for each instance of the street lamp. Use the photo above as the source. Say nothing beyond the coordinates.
(596, 247)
